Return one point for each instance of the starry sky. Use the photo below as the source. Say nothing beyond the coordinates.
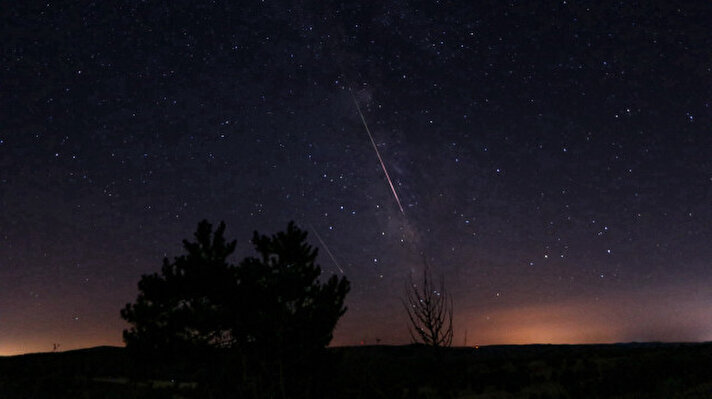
(553, 159)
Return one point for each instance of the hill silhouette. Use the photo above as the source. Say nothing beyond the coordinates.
(650, 370)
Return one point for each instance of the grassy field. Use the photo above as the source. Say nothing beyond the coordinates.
(531, 371)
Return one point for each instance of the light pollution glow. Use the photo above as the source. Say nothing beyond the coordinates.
(669, 314)
(675, 313)
(649, 315)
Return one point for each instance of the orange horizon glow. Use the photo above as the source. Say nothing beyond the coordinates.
(662, 314)
(653, 314)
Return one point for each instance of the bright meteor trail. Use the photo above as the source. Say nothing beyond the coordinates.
(383, 165)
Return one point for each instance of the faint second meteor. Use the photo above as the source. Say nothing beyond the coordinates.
(323, 244)
(378, 154)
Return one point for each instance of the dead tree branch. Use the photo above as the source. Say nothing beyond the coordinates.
(429, 310)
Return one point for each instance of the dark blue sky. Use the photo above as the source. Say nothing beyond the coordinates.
(554, 160)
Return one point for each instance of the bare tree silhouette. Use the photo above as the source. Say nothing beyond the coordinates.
(429, 310)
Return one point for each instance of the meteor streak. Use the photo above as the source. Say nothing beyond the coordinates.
(323, 244)
(378, 154)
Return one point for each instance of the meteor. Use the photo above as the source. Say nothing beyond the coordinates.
(323, 244)
(378, 154)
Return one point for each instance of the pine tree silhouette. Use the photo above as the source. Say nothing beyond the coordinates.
(184, 307)
(295, 308)
(271, 315)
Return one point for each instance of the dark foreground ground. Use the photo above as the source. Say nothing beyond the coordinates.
(532, 371)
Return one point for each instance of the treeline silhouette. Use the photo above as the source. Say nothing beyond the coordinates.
(257, 329)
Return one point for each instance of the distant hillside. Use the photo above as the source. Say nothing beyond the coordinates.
(633, 370)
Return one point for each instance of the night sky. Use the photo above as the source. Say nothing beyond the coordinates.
(553, 159)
